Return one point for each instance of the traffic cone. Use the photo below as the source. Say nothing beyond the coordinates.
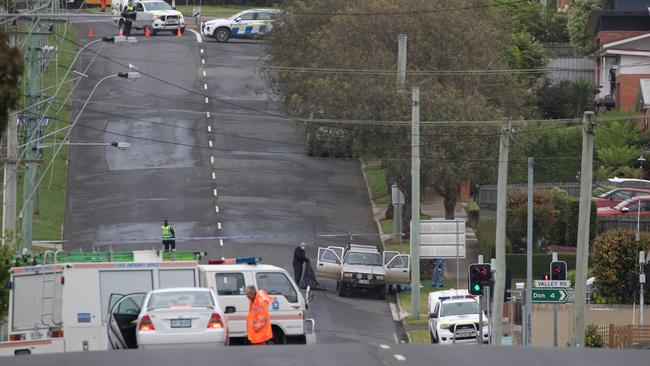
(178, 32)
(121, 34)
(90, 32)
(147, 33)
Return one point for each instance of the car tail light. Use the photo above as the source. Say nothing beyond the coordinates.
(62, 280)
(56, 333)
(17, 337)
(145, 324)
(215, 322)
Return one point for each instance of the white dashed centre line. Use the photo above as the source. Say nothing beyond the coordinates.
(207, 114)
(210, 142)
(220, 242)
(206, 100)
(219, 225)
(216, 208)
(204, 73)
(214, 175)
(205, 86)
(399, 357)
(384, 346)
(214, 192)
(203, 61)
(209, 128)
(212, 160)
(201, 50)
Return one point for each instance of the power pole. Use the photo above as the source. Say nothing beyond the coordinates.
(33, 74)
(415, 203)
(584, 213)
(401, 61)
(529, 256)
(10, 176)
(502, 195)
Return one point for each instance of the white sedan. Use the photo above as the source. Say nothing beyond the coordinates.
(246, 24)
(181, 316)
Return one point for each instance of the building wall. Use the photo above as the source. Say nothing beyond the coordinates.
(627, 90)
(604, 37)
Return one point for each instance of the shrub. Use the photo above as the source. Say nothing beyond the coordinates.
(544, 215)
(541, 262)
(572, 219)
(6, 261)
(615, 261)
(593, 339)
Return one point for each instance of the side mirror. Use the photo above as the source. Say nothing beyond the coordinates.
(238, 19)
(433, 316)
(625, 209)
(230, 310)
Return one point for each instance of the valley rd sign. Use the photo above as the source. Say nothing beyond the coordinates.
(550, 295)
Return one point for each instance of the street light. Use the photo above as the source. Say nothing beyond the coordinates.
(120, 145)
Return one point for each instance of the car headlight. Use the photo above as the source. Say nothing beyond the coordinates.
(380, 277)
(445, 326)
(346, 274)
(359, 276)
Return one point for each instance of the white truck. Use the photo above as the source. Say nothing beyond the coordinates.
(66, 306)
(454, 317)
(156, 15)
(363, 267)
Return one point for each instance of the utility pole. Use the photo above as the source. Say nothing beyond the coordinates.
(642, 263)
(401, 61)
(33, 76)
(502, 195)
(415, 203)
(582, 252)
(529, 257)
(10, 175)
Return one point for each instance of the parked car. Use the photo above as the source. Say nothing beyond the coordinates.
(630, 207)
(618, 195)
(246, 24)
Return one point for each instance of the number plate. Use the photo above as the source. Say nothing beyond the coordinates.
(37, 335)
(364, 282)
(171, 21)
(181, 323)
(465, 334)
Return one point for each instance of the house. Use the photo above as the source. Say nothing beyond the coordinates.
(622, 55)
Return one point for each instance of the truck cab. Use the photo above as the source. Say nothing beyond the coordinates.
(363, 267)
(454, 317)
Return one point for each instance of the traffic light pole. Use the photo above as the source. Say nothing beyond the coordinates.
(415, 203)
(528, 299)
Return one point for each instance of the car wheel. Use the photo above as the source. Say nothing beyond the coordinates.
(342, 290)
(278, 337)
(222, 34)
(381, 292)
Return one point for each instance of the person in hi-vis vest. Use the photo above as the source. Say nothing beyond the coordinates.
(258, 323)
(168, 237)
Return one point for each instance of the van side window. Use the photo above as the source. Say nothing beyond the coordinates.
(276, 284)
(229, 284)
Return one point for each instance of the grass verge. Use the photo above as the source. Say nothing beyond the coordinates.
(377, 181)
(405, 296)
(420, 336)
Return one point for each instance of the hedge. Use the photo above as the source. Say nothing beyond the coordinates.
(541, 262)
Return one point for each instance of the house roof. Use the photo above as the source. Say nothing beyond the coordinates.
(617, 20)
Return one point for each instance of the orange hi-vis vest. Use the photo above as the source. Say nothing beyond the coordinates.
(258, 324)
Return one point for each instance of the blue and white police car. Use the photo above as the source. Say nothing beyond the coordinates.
(245, 24)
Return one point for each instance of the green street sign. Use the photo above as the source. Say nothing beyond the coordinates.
(552, 295)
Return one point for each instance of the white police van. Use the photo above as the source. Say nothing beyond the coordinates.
(454, 317)
(246, 24)
(228, 278)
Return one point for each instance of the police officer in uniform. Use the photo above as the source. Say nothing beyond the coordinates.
(128, 13)
(168, 237)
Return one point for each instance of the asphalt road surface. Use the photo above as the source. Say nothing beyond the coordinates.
(210, 154)
(343, 354)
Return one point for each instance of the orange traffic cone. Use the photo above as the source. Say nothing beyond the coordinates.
(121, 32)
(178, 32)
(90, 32)
(147, 33)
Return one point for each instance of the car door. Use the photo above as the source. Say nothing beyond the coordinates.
(243, 25)
(231, 292)
(398, 271)
(122, 320)
(264, 23)
(388, 255)
(328, 264)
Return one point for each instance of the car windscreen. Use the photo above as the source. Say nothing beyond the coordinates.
(360, 258)
(180, 298)
(459, 308)
(623, 204)
(607, 194)
(157, 5)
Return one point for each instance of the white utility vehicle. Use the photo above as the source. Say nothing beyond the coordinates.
(454, 317)
(156, 15)
(246, 24)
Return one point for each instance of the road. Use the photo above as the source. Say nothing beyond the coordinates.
(209, 153)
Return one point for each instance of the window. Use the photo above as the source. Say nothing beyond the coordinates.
(139, 7)
(459, 308)
(264, 16)
(360, 258)
(645, 205)
(123, 282)
(276, 284)
(130, 305)
(156, 5)
(328, 256)
(229, 284)
(248, 16)
(622, 195)
(398, 262)
(180, 298)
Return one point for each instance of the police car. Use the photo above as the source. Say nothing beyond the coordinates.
(454, 317)
(228, 278)
(246, 24)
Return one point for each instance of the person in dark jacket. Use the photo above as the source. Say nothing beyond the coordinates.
(128, 13)
(299, 258)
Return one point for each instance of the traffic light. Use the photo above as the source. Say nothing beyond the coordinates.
(480, 277)
(558, 271)
(546, 277)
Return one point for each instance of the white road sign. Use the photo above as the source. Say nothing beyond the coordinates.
(554, 284)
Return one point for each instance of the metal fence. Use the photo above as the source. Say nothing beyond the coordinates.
(571, 69)
(623, 222)
(487, 195)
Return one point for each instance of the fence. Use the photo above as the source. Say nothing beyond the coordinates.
(622, 222)
(624, 336)
(487, 195)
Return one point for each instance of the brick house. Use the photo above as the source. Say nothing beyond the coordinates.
(622, 55)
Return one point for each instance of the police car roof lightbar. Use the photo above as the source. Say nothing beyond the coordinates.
(240, 260)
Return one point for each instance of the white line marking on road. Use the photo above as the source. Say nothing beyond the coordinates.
(384, 346)
(201, 50)
(204, 73)
(399, 357)
(216, 208)
(206, 100)
(203, 61)
(207, 114)
(221, 244)
(210, 142)
(212, 160)
(205, 86)
(214, 192)
(199, 39)
(219, 225)
(209, 128)
(214, 175)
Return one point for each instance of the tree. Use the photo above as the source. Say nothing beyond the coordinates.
(577, 24)
(618, 144)
(6, 257)
(11, 69)
(467, 38)
(544, 213)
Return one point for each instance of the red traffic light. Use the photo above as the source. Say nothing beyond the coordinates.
(483, 271)
(546, 277)
(557, 269)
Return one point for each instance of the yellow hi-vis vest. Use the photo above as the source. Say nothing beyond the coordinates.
(167, 232)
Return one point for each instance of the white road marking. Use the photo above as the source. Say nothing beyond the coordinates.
(199, 39)
(216, 208)
(203, 61)
(210, 142)
(206, 100)
(221, 244)
(219, 225)
(214, 175)
(212, 160)
(214, 192)
(209, 128)
(384, 346)
(205, 86)
(204, 73)
(201, 50)
(399, 357)
(207, 114)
